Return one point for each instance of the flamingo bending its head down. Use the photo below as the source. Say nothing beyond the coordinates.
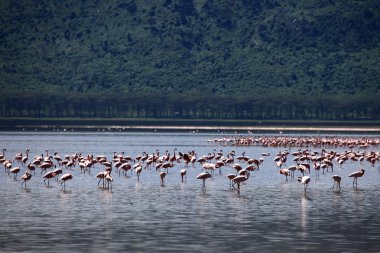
(305, 181)
(204, 176)
(336, 180)
(64, 178)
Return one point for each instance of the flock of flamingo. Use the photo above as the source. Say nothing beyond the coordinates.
(303, 161)
(297, 141)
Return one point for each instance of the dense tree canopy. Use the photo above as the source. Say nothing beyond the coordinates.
(265, 59)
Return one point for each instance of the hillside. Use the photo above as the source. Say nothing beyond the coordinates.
(193, 52)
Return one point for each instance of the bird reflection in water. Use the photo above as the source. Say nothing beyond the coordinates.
(304, 215)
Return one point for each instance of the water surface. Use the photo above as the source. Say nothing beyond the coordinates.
(270, 215)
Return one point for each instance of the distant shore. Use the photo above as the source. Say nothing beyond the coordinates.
(253, 126)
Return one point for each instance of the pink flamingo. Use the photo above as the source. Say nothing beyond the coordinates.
(336, 180)
(240, 179)
(26, 177)
(64, 178)
(162, 176)
(49, 175)
(355, 175)
(305, 181)
(204, 176)
(183, 174)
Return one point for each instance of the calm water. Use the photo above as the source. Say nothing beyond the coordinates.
(270, 215)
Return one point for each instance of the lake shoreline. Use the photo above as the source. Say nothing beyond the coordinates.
(180, 125)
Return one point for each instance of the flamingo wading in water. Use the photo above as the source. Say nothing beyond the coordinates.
(162, 176)
(336, 180)
(204, 176)
(240, 179)
(305, 181)
(64, 178)
(49, 175)
(355, 175)
(26, 177)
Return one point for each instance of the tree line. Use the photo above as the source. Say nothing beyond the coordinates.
(190, 106)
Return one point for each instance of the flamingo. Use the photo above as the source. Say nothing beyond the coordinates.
(57, 173)
(101, 175)
(49, 175)
(336, 180)
(286, 173)
(57, 158)
(292, 169)
(7, 165)
(304, 180)
(186, 157)
(237, 167)
(45, 165)
(329, 164)
(167, 165)
(3, 155)
(109, 179)
(15, 171)
(162, 176)
(183, 174)
(230, 177)
(239, 179)
(125, 167)
(193, 159)
(18, 157)
(204, 176)
(24, 159)
(302, 169)
(26, 177)
(317, 167)
(32, 167)
(254, 161)
(355, 175)
(64, 178)
(138, 171)
(173, 158)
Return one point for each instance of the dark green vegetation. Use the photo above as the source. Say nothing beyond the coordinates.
(226, 59)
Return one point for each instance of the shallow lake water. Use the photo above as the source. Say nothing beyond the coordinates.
(270, 215)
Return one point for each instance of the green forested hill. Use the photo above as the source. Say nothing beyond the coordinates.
(191, 58)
